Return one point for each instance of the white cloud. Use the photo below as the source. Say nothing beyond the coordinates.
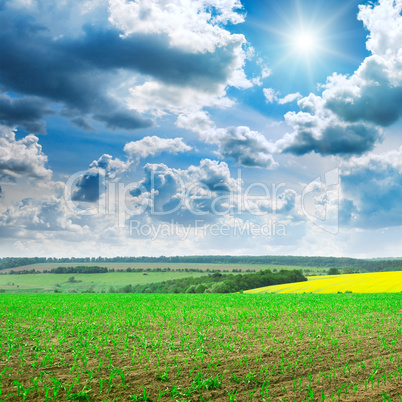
(317, 129)
(372, 190)
(215, 175)
(285, 203)
(111, 166)
(289, 98)
(265, 72)
(196, 193)
(86, 188)
(171, 56)
(191, 25)
(62, 17)
(390, 159)
(158, 98)
(272, 96)
(244, 146)
(385, 25)
(347, 118)
(151, 146)
(46, 214)
(21, 158)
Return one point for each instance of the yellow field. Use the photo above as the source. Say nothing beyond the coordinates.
(378, 282)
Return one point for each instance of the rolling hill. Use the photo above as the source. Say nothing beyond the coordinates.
(378, 282)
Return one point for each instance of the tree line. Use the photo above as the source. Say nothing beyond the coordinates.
(80, 269)
(375, 265)
(217, 283)
(91, 269)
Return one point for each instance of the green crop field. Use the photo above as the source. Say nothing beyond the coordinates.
(45, 282)
(267, 347)
(99, 282)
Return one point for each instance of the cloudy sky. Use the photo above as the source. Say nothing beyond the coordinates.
(176, 127)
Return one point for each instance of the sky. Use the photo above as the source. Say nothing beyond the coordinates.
(189, 127)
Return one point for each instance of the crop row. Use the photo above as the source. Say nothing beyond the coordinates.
(200, 347)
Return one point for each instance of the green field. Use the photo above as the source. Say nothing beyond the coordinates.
(268, 347)
(99, 282)
(45, 282)
(172, 266)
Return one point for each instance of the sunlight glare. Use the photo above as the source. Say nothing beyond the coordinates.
(305, 42)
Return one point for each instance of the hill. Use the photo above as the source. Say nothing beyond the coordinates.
(83, 282)
(322, 262)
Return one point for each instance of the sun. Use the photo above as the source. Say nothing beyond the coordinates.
(305, 42)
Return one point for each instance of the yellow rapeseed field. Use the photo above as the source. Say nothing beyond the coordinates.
(377, 282)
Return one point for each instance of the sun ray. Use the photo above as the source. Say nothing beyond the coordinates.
(305, 42)
(302, 45)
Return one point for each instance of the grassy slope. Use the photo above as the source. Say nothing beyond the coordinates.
(47, 282)
(377, 282)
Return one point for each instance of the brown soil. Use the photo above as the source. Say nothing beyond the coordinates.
(296, 358)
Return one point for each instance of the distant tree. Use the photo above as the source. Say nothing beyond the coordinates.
(217, 283)
(90, 290)
(334, 271)
(219, 287)
(71, 279)
(190, 289)
(200, 288)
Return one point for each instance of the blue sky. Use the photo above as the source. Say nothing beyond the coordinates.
(281, 118)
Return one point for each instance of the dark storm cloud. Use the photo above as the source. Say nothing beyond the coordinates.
(151, 55)
(79, 73)
(379, 100)
(352, 139)
(246, 147)
(87, 188)
(34, 64)
(25, 112)
(82, 123)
